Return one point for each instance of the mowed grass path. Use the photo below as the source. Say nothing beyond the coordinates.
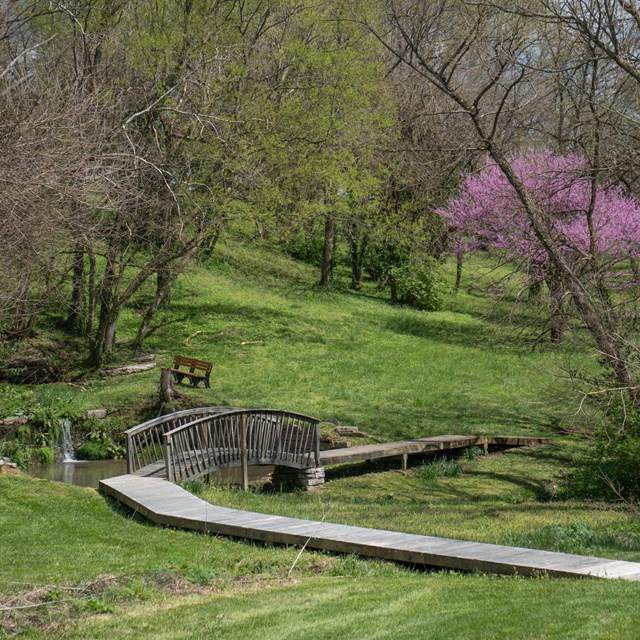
(409, 607)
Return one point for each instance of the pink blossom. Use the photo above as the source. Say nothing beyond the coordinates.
(488, 211)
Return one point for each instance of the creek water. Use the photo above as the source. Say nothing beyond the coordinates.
(83, 473)
(88, 473)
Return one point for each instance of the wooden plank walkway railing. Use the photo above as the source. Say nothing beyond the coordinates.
(145, 445)
(241, 438)
(167, 504)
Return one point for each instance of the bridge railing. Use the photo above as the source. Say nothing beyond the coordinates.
(145, 445)
(241, 438)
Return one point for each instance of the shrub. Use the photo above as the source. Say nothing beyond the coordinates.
(418, 286)
(610, 468)
(441, 468)
(44, 455)
(99, 444)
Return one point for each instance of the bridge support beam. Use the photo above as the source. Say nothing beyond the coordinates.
(298, 478)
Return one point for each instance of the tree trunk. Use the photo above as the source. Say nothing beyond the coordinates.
(162, 294)
(92, 294)
(164, 280)
(75, 319)
(357, 250)
(327, 252)
(459, 261)
(393, 287)
(104, 339)
(535, 289)
(23, 319)
(168, 393)
(635, 268)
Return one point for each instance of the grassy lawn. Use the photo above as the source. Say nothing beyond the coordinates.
(507, 498)
(134, 580)
(434, 607)
(354, 359)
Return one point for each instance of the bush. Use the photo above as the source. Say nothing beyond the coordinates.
(44, 455)
(419, 286)
(40, 436)
(93, 450)
(441, 468)
(99, 443)
(304, 246)
(610, 469)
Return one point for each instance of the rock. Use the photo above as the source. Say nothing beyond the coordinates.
(98, 414)
(354, 432)
(14, 421)
(30, 369)
(301, 478)
(327, 445)
(131, 368)
(149, 357)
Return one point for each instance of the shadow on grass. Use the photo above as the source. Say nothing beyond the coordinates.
(477, 334)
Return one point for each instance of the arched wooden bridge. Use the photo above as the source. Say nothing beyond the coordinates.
(190, 444)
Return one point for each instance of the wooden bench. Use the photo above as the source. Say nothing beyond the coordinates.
(196, 371)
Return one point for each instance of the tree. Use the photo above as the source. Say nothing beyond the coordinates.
(484, 62)
(489, 213)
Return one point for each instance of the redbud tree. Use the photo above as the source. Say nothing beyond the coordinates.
(595, 224)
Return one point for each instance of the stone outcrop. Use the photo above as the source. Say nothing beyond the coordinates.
(298, 478)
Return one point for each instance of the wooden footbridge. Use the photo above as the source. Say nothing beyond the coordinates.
(193, 443)
(190, 444)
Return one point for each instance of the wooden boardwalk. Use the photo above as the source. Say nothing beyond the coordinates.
(422, 445)
(167, 504)
(401, 448)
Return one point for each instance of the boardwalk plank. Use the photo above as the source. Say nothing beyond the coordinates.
(166, 503)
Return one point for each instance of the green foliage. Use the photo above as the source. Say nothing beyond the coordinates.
(101, 442)
(304, 246)
(610, 466)
(193, 486)
(441, 468)
(40, 435)
(419, 286)
(44, 455)
(471, 453)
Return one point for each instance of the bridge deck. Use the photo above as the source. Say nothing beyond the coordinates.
(420, 445)
(389, 449)
(167, 504)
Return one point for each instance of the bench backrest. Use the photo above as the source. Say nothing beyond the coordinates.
(192, 364)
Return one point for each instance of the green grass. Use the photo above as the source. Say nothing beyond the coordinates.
(352, 358)
(165, 583)
(58, 534)
(434, 607)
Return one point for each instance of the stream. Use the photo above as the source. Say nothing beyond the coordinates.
(87, 473)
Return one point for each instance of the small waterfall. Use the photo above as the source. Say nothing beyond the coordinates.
(66, 442)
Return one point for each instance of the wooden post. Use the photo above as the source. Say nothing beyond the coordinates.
(317, 444)
(129, 454)
(485, 446)
(243, 445)
(405, 460)
(168, 459)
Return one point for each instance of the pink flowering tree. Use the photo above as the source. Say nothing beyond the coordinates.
(595, 225)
